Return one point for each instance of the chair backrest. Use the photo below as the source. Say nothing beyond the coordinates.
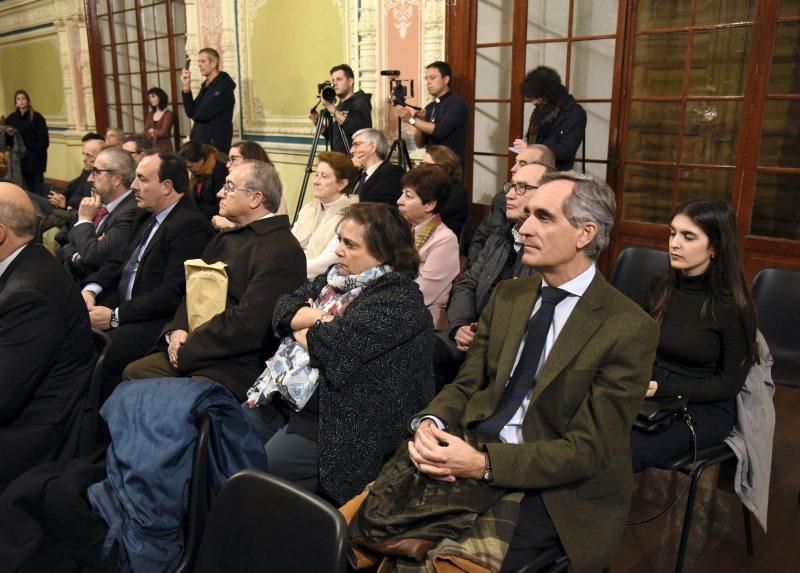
(260, 522)
(776, 293)
(635, 268)
(88, 438)
(199, 502)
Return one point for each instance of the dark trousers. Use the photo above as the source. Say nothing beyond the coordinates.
(34, 182)
(535, 533)
(129, 342)
(289, 455)
(447, 359)
(713, 421)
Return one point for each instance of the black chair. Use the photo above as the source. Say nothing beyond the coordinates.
(199, 502)
(635, 268)
(777, 297)
(260, 522)
(88, 437)
(706, 458)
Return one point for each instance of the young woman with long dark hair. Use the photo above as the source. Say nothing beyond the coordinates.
(32, 128)
(708, 330)
(159, 120)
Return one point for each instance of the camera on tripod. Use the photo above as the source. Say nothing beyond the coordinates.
(326, 92)
(399, 92)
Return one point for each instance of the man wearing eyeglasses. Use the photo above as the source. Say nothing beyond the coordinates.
(133, 295)
(264, 261)
(500, 259)
(105, 219)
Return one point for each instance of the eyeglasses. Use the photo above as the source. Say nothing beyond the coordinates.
(229, 188)
(96, 171)
(235, 158)
(519, 188)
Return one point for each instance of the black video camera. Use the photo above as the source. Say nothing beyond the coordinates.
(326, 92)
(398, 91)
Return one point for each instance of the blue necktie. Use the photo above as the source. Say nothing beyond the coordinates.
(523, 379)
(133, 261)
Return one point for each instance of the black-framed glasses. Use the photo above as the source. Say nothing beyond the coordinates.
(96, 171)
(234, 158)
(519, 188)
(229, 188)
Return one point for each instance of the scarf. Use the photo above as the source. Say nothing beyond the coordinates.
(426, 231)
(288, 372)
(541, 114)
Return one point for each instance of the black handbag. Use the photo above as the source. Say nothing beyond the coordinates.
(657, 414)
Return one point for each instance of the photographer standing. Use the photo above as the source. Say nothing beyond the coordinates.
(444, 120)
(212, 109)
(353, 112)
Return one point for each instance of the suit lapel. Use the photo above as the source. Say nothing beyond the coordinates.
(585, 319)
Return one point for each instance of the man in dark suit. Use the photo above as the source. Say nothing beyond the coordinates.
(552, 382)
(134, 295)
(103, 228)
(378, 180)
(264, 261)
(46, 349)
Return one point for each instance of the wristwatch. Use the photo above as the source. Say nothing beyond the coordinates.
(412, 121)
(487, 473)
(114, 319)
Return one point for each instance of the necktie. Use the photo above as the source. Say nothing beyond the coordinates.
(360, 182)
(129, 270)
(99, 217)
(523, 379)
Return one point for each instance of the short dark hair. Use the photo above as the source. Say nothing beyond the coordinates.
(163, 99)
(430, 183)
(443, 67)
(173, 168)
(543, 82)
(142, 143)
(192, 151)
(252, 151)
(342, 166)
(348, 71)
(92, 136)
(387, 235)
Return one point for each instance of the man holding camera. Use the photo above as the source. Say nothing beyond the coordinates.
(212, 109)
(444, 120)
(353, 112)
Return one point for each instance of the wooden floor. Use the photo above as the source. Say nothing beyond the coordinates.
(717, 541)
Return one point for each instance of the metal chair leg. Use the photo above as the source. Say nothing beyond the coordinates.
(748, 530)
(687, 518)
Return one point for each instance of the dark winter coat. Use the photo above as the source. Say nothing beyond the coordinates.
(212, 112)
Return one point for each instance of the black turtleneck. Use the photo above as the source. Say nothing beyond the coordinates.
(705, 360)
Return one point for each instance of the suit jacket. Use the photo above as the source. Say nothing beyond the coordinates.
(160, 281)
(265, 262)
(46, 361)
(383, 186)
(95, 247)
(576, 430)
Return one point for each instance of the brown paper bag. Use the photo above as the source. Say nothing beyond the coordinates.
(206, 291)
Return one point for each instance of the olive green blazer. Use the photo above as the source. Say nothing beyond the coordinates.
(576, 431)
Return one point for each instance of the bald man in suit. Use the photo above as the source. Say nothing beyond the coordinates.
(47, 354)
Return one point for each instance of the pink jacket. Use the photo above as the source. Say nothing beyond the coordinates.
(439, 267)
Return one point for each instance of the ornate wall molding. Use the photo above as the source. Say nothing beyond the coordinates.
(402, 12)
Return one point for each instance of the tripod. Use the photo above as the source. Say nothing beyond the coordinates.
(325, 120)
(399, 145)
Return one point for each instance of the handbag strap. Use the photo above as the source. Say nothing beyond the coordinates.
(686, 417)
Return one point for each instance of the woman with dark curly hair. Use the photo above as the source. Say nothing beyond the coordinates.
(159, 120)
(557, 120)
(355, 363)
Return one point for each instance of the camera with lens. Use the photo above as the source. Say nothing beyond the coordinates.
(399, 92)
(326, 92)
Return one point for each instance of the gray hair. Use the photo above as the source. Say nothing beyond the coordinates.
(591, 200)
(119, 161)
(263, 177)
(548, 158)
(377, 138)
(20, 220)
